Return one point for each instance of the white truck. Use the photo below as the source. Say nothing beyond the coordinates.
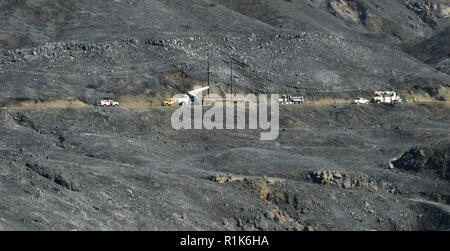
(360, 100)
(108, 102)
(386, 97)
(285, 99)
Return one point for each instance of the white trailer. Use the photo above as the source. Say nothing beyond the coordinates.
(285, 99)
(298, 100)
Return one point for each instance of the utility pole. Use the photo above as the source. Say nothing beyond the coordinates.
(208, 72)
(231, 75)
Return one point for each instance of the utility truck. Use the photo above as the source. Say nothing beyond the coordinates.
(386, 97)
(192, 97)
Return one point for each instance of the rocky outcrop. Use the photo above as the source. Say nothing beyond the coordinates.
(226, 178)
(351, 10)
(432, 160)
(425, 9)
(340, 179)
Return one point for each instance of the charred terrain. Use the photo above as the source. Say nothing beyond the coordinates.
(67, 164)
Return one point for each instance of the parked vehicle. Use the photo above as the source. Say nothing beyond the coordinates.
(285, 99)
(109, 102)
(360, 101)
(386, 97)
(190, 98)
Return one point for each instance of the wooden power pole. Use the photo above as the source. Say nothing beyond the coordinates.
(231, 75)
(208, 72)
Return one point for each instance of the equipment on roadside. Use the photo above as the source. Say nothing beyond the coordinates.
(285, 99)
(169, 102)
(108, 102)
(386, 97)
(192, 97)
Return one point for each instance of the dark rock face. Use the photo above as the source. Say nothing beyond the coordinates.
(426, 10)
(431, 160)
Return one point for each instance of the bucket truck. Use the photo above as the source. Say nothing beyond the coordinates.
(192, 97)
(386, 97)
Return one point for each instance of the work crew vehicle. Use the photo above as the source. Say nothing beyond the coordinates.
(108, 102)
(386, 97)
(358, 101)
(192, 97)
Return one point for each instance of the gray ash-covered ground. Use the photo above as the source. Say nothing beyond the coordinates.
(434, 50)
(66, 164)
(87, 50)
(100, 168)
